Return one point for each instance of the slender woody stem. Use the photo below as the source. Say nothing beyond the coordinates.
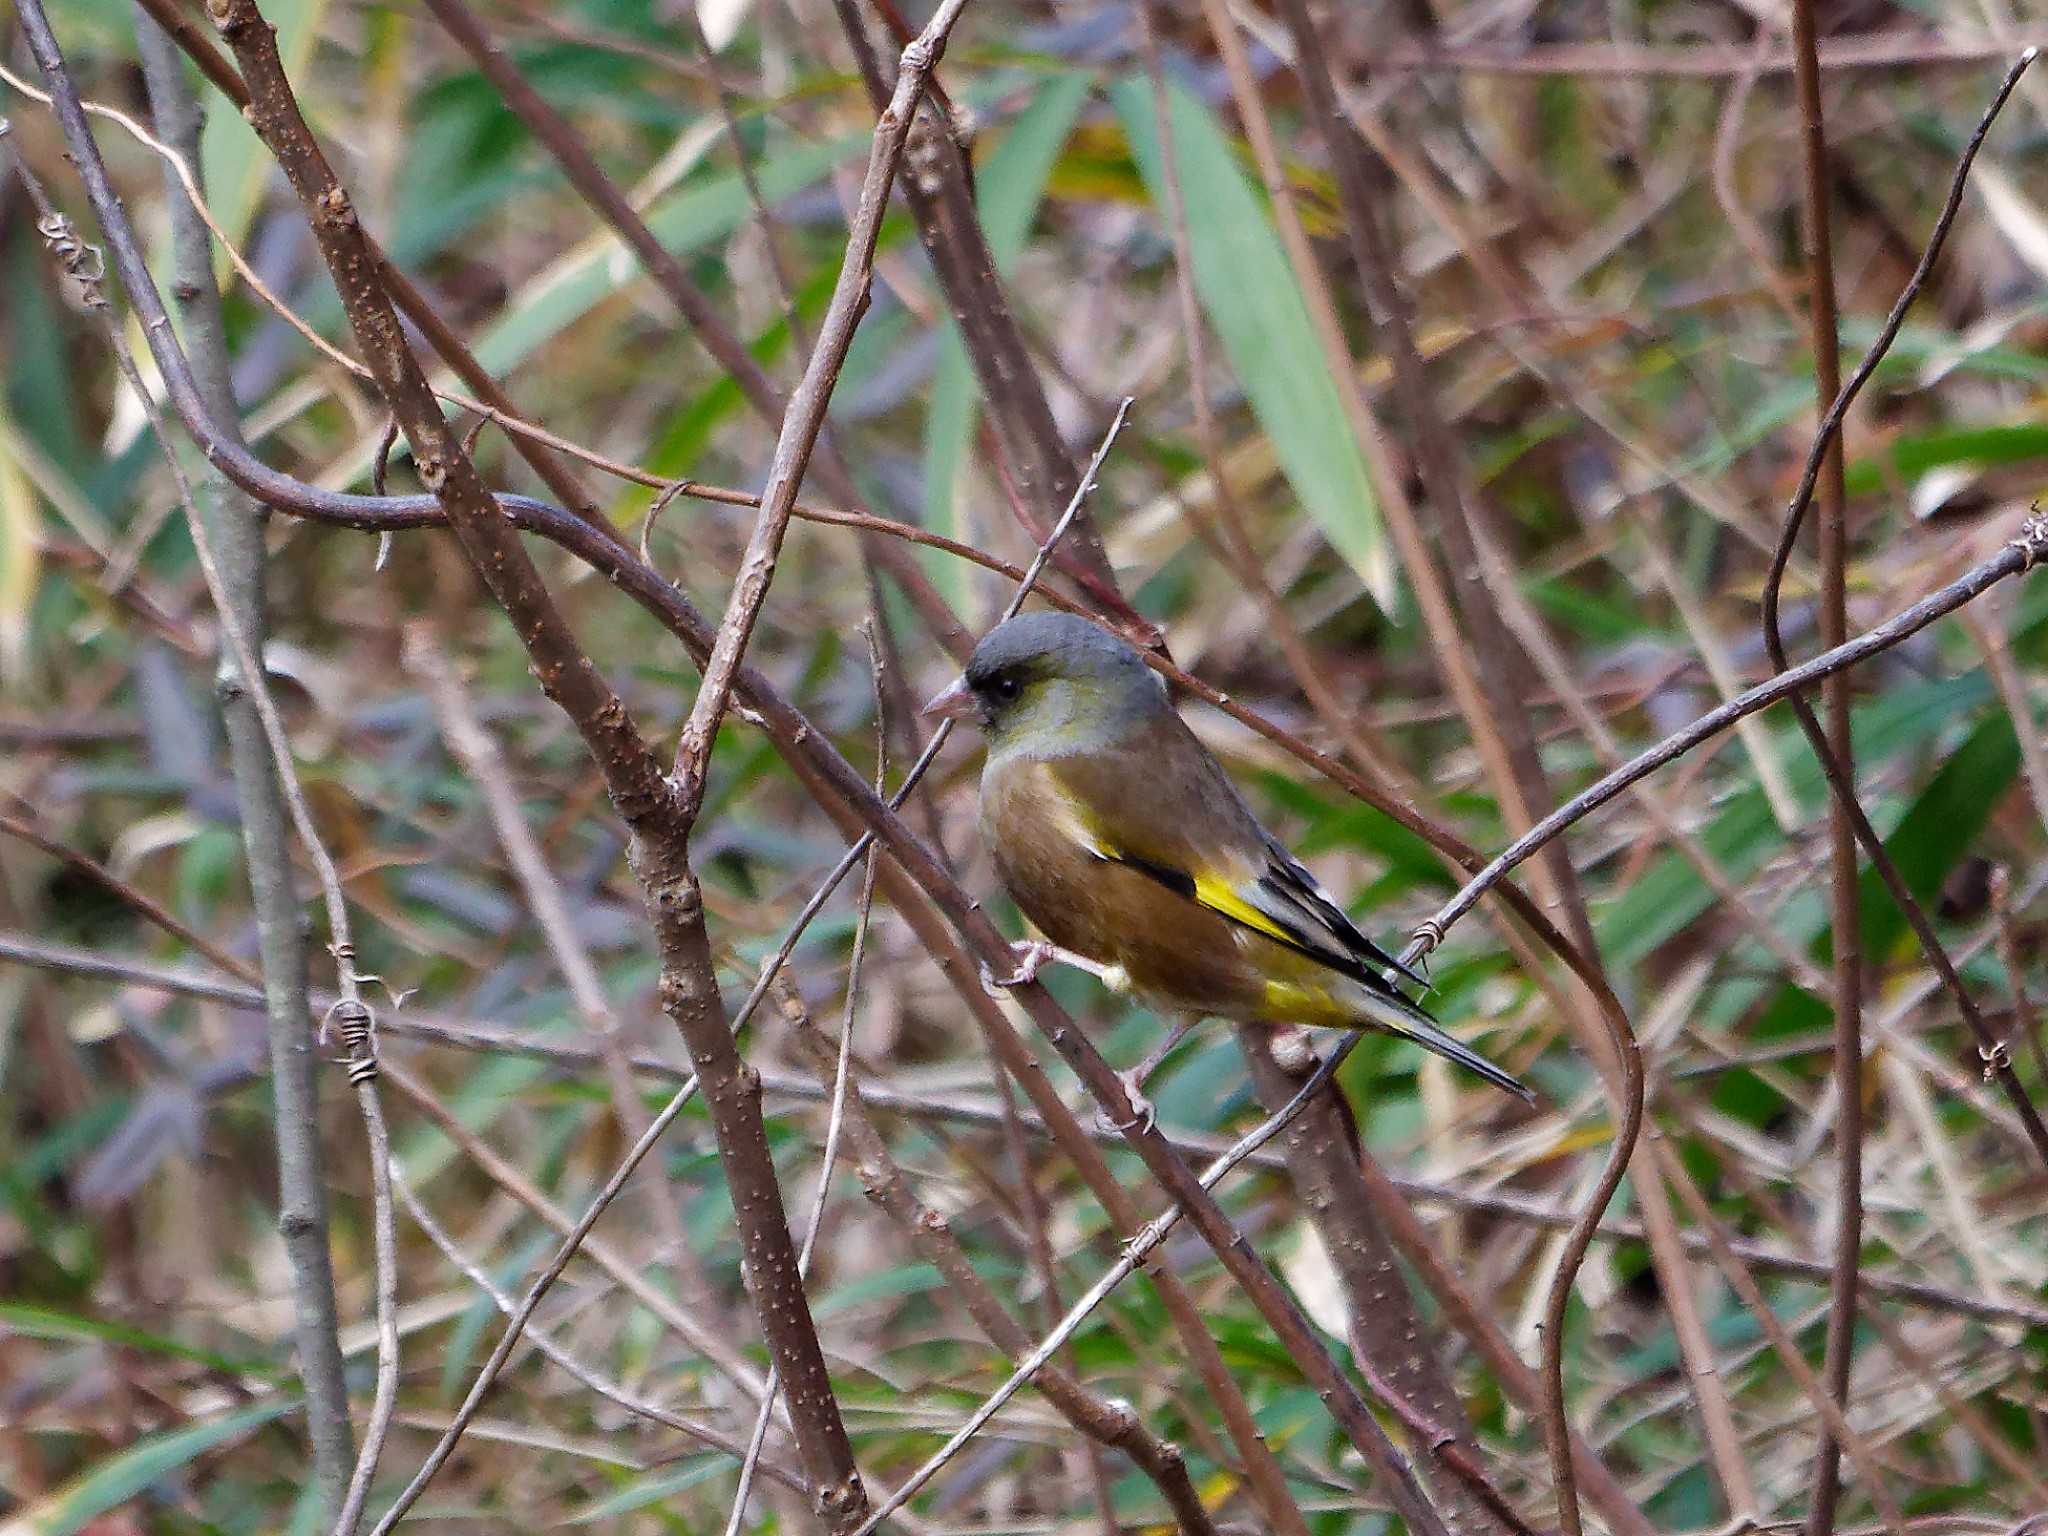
(806, 414)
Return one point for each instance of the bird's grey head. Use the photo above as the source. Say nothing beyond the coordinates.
(1051, 683)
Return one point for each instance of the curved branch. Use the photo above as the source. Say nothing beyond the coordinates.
(1840, 778)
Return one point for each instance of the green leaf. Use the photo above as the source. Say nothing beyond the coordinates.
(494, 1087)
(646, 1490)
(238, 167)
(120, 1477)
(1593, 617)
(693, 428)
(1010, 188)
(37, 394)
(686, 221)
(1941, 827)
(1908, 458)
(909, 1280)
(1249, 294)
(1919, 345)
(1670, 894)
(479, 1314)
(44, 1323)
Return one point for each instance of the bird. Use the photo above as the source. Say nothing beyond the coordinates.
(1127, 845)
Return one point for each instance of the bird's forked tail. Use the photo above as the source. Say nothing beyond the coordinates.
(1398, 1016)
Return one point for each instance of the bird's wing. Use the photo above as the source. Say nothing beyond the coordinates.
(1163, 806)
(1288, 897)
(1166, 807)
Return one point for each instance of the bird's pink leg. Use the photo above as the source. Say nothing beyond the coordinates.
(1134, 1079)
(1032, 957)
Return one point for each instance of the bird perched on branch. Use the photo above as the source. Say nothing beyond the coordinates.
(1128, 847)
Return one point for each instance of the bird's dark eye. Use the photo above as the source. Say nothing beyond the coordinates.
(1006, 689)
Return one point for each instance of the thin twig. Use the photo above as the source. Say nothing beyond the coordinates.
(2027, 548)
(1027, 447)
(559, 1262)
(701, 1335)
(2008, 572)
(21, 827)
(350, 1013)
(836, 1115)
(1443, 1444)
(554, 133)
(641, 793)
(616, 563)
(545, 1342)
(1347, 1215)
(1786, 1348)
(2030, 548)
(520, 1316)
(474, 747)
(1106, 1423)
(603, 551)
(1516, 769)
(1845, 909)
(611, 557)
(1092, 1473)
(1389, 1344)
(173, 18)
(465, 1035)
(806, 413)
(1839, 775)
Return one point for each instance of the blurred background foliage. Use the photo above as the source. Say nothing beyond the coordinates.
(1634, 408)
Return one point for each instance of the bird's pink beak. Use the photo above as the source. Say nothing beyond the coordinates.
(953, 702)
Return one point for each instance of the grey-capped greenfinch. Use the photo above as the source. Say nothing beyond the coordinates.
(1125, 843)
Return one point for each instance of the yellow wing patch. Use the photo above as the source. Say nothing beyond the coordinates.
(1069, 817)
(1216, 893)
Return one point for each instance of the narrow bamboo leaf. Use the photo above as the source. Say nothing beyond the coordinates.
(652, 1488)
(1010, 188)
(120, 1477)
(1919, 346)
(46, 1323)
(1909, 457)
(1671, 892)
(1250, 296)
(949, 427)
(309, 1512)
(40, 412)
(238, 167)
(21, 565)
(692, 429)
(686, 221)
(1940, 828)
(906, 1280)
(469, 1327)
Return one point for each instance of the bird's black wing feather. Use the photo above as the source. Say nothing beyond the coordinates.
(1292, 897)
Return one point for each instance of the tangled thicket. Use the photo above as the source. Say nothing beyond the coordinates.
(1473, 368)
